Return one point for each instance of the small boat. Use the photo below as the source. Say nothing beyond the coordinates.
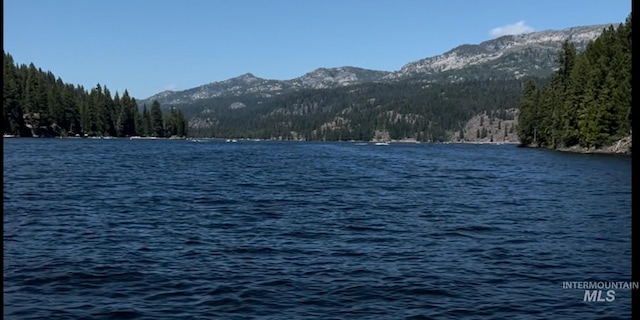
(8, 135)
(381, 143)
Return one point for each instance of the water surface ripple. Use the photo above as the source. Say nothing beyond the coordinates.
(141, 229)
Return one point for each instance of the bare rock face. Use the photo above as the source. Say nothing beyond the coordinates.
(237, 105)
(381, 136)
(534, 47)
(492, 127)
(623, 146)
(323, 78)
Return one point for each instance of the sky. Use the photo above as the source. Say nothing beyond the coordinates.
(148, 46)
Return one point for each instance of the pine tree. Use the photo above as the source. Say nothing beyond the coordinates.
(70, 110)
(155, 116)
(35, 100)
(574, 104)
(145, 122)
(120, 115)
(527, 120)
(128, 114)
(13, 120)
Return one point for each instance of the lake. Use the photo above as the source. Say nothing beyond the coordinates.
(162, 229)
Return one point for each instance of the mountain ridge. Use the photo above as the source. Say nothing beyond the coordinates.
(499, 57)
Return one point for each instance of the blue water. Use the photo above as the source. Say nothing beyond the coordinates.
(142, 229)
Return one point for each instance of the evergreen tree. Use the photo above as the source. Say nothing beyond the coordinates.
(527, 120)
(35, 100)
(145, 121)
(37, 103)
(128, 112)
(587, 101)
(120, 115)
(156, 125)
(13, 120)
(70, 111)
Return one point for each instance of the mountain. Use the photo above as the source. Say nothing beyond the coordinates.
(530, 54)
(469, 93)
(507, 57)
(247, 83)
(323, 78)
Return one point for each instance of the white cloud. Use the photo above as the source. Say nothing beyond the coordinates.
(510, 29)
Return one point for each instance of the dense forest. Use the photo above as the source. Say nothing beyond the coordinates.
(36, 103)
(587, 101)
(412, 109)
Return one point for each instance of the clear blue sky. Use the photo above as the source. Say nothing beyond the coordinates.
(147, 46)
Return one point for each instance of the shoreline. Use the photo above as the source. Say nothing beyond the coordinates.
(485, 142)
(622, 147)
(615, 149)
(605, 150)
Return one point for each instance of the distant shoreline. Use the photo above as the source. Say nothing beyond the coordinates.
(486, 142)
(622, 147)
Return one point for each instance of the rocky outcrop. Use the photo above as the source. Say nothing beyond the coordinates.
(533, 48)
(324, 78)
(622, 146)
(489, 127)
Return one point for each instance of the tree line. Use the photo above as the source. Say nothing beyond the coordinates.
(415, 109)
(36, 103)
(587, 101)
